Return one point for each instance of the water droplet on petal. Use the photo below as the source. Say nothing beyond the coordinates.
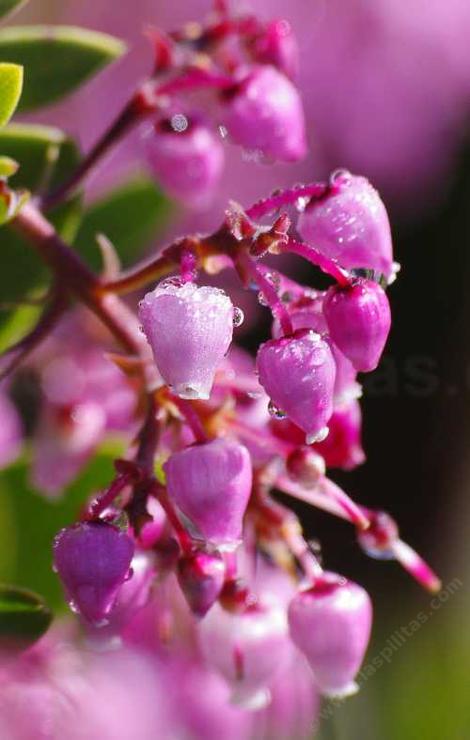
(238, 316)
(340, 176)
(311, 439)
(301, 204)
(171, 282)
(261, 299)
(276, 413)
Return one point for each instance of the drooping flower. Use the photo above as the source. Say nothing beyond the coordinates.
(359, 320)
(298, 374)
(201, 578)
(187, 158)
(93, 561)
(265, 113)
(189, 330)
(210, 484)
(350, 224)
(330, 623)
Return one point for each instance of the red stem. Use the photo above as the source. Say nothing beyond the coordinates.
(248, 268)
(191, 417)
(327, 265)
(284, 198)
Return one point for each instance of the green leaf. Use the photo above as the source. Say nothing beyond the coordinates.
(32, 521)
(11, 84)
(8, 6)
(129, 216)
(24, 617)
(46, 156)
(57, 59)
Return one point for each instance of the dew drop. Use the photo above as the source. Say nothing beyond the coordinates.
(179, 123)
(171, 282)
(262, 300)
(301, 204)
(320, 436)
(340, 176)
(238, 316)
(275, 412)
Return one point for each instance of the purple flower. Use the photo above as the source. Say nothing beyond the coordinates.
(189, 330)
(186, 157)
(330, 623)
(350, 224)
(201, 578)
(298, 373)
(92, 560)
(359, 321)
(210, 484)
(265, 113)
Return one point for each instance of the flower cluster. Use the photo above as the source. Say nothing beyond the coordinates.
(187, 562)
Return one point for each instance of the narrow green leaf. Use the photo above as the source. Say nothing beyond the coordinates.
(11, 84)
(58, 59)
(129, 216)
(8, 6)
(24, 617)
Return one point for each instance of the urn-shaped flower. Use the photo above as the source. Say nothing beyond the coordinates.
(189, 330)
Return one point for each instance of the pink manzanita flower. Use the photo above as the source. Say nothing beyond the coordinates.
(201, 577)
(359, 320)
(309, 314)
(343, 446)
(248, 649)
(11, 433)
(210, 484)
(93, 561)
(330, 623)
(298, 374)
(265, 113)
(187, 158)
(189, 330)
(350, 224)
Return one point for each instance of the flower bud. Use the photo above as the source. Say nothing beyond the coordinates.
(189, 330)
(343, 448)
(350, 224)
(298, 373)
(330, 623)
(187, 159)
(277, 45)
(210, 484)
(306, 466)
(92, 560)
(359, 319)
(201, 578)
(248, 649)
(265, 113)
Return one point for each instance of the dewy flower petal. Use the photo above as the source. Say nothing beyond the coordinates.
(210, 484)
(359, 320)
(298, 374)
(189, 330)
(92, 560)
(350, 224)
(187, 158)
(330, 623)
(265, 113)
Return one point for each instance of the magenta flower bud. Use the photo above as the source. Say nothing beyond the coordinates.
(189, 330)
(201, 578)
(298, 373)
(92, 560)
(359, 320)
(330, 623)
(306, 466)
(265, 113)
(248, 649)
(343, 446)
(210, 484)
(187, 159)
(350, 224)
(277, 45)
